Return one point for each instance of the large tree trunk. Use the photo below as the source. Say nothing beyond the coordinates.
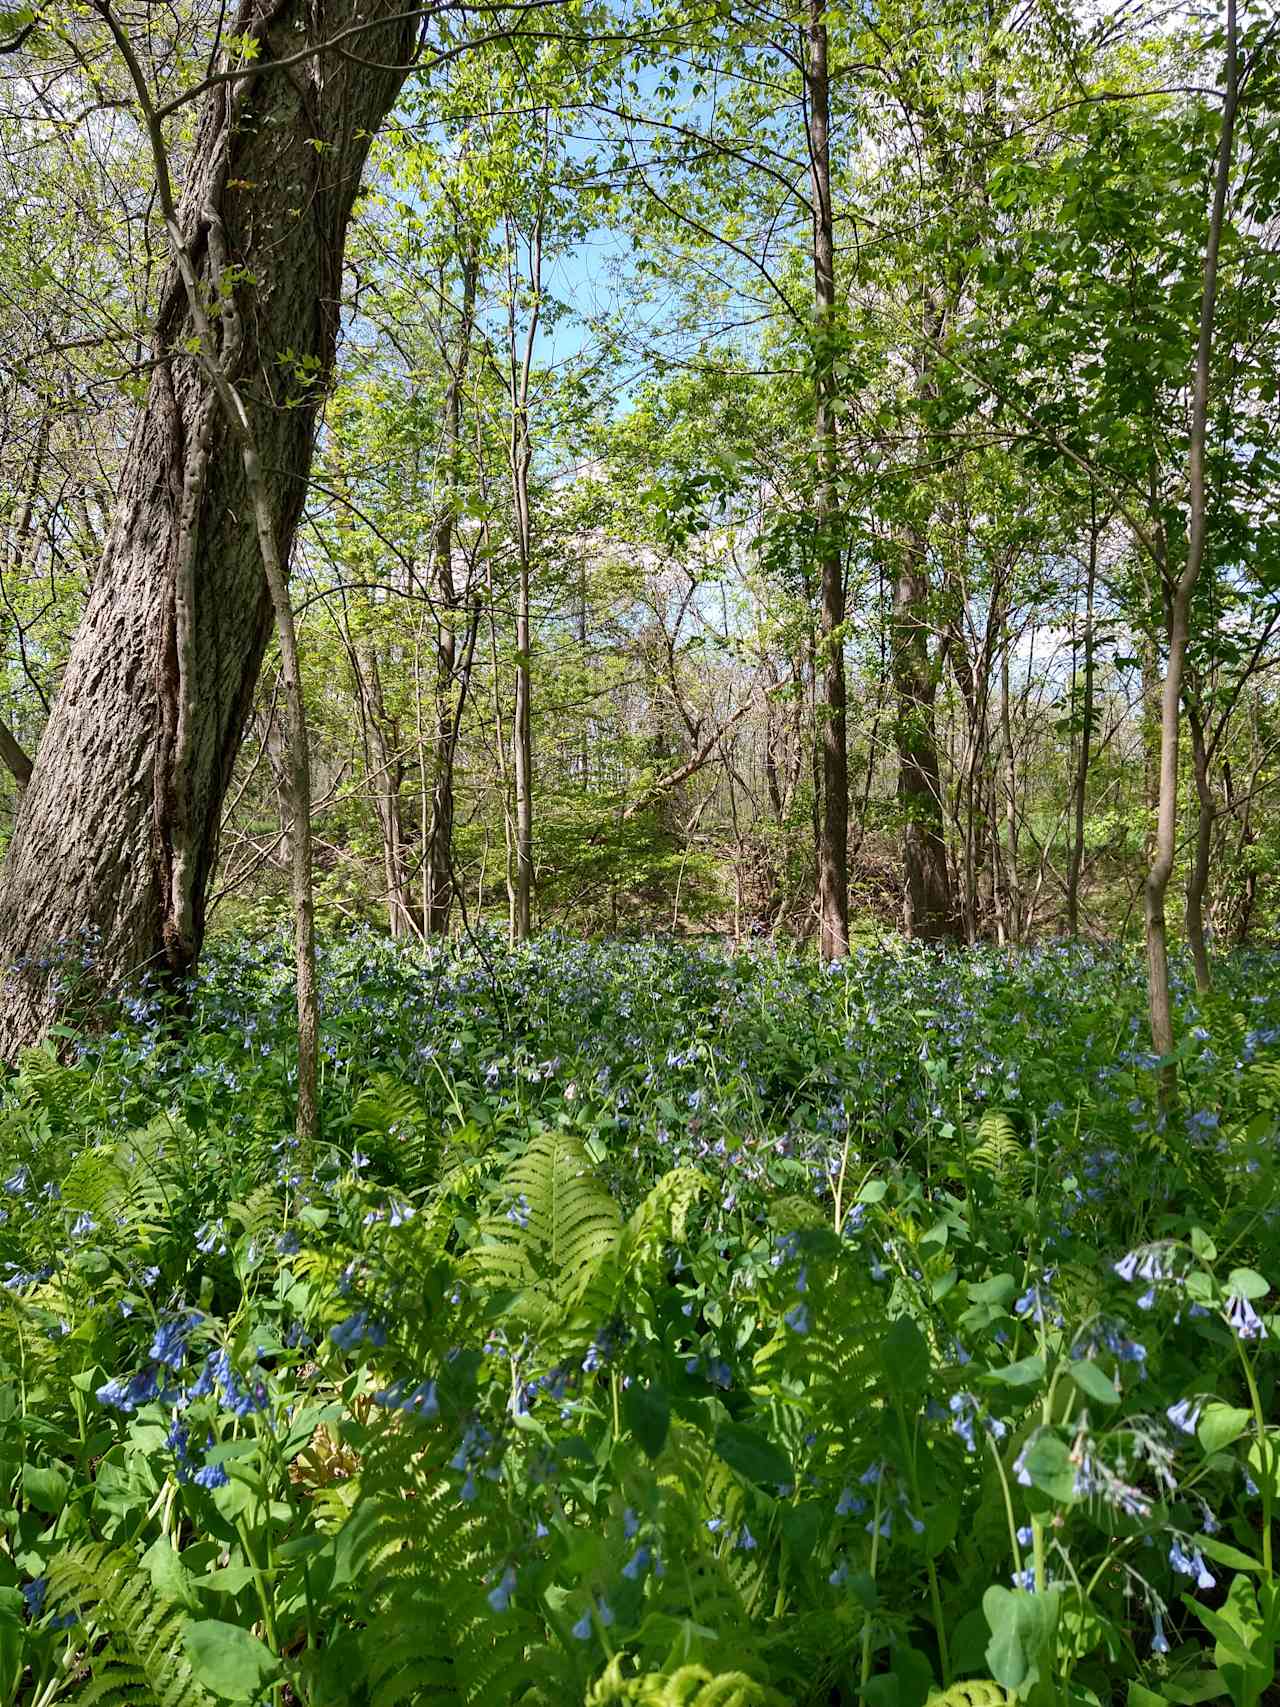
(928, 911)
(833, 825)
(117, 836)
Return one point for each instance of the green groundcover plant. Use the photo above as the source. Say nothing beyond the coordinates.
(651, 1325)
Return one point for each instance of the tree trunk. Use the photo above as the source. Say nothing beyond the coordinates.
(1198, 882)
(521, 921)
(384, 761)
(117, 836)
(1157, 883)
(438, 867)
(833, 827)
(1013, 887)
(928, 910)
(1086, 735)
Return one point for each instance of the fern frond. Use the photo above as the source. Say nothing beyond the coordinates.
(997, 1150)
(688, 1686)
(637, 1262)
(564, 1223)
(978, 1692)
(143, 1657)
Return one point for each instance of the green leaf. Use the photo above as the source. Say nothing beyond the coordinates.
(170, 1578)
(1226, 1555)
(752, 1454)
(1025, 1373)
(904, 1353)
(1093, 1383)
(648, 1414)
(1203, 1246)
(1247, 1283)
(1140, 1697)
(998, 1290)
(45, 1487)
(1220, 1425)
(1048, 1463)
(228, 1660)
(1021, 1625)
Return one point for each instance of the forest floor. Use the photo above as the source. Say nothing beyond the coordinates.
(650, 1324)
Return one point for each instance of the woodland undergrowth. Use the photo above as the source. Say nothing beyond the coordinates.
(651, 1324)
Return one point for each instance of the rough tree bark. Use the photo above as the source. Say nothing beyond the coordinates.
(1180, 593)
(117, 835)
(833, 823)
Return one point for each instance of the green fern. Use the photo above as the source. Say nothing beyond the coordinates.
(142, 1658)
(689, 1686)
(997, 1150)
(977, 1692)
(566, 1224)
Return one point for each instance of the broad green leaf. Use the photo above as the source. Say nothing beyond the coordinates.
(1093, 1383)
(648, 1415)
(1021, 1625)
(752, 1454)
(228, 1660)
(1025, 1373)
(1221, 1424)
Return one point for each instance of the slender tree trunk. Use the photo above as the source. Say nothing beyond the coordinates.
(1084, 754)
(928, 909)
(522, 724)
(833, 828)
(438, 856)
(1013, 886)
(385, 764)
(118, 831)
(1198, 881)
(1161, 870)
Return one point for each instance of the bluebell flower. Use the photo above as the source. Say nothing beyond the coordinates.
(849, 1504)
(1185, 1415)
(1159, 1641)
(638, 1563)
(356, 1328)
(1244, 1319)
(83, 1225)
(499, 1598)
(1191, 1564)
(211, 1476)
(1026, 1535)
(630, 1523)
(840, 1575)
(797, 1318)
(746, 1540)
(169, 1345)
(582, 1629)
(34, 1594)
(127, 1395)
(1127, 1267)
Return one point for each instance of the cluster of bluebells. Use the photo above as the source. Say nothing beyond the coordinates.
(160, 1380)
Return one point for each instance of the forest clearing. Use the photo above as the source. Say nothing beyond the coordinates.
(639, 925)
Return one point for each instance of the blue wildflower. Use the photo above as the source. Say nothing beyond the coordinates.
(499, 1598)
